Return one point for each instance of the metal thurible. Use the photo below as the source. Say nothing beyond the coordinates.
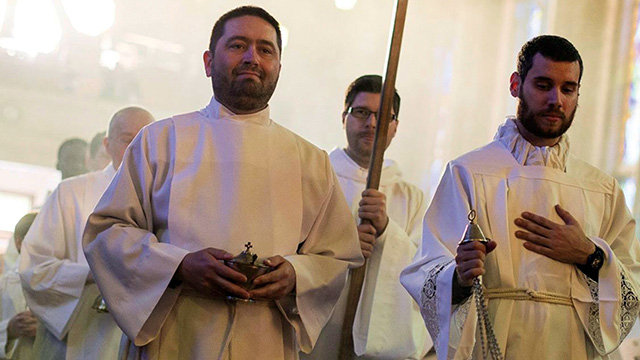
(473, 232)
(250, 266)
(488, 342)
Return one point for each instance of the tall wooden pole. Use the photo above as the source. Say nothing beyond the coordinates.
(375, 166)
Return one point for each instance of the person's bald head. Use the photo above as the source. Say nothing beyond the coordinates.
(123, 127)
(22, 227)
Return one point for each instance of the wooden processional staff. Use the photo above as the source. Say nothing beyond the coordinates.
(375, 166)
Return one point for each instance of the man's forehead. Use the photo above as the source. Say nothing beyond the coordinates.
(365, 96)
(251, 27)
(564, 71)
(369, 100)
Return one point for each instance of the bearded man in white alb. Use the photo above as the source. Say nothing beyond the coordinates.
(58, 285)
(388, 324)
(194, 189)
(561, 272)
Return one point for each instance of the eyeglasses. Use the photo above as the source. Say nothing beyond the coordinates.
(362, 113)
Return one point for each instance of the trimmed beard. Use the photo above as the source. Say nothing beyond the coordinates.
(244, 95)
(528, 119)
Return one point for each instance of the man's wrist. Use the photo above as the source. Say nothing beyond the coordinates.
(176, 279)
(384, 228)
(593, 264)
(174, 283)
(590, 252)
(459, 293)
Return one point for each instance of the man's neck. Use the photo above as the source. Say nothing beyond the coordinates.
(237, 111)
(362, 161)
(533, 139)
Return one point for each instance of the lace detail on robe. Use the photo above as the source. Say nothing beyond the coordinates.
(594, 315)
(429, 303)
(461, 312)
(629, 307)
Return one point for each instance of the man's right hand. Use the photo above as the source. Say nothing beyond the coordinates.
(470, 260)
(367, 236)
(206, 272)
(23, 324)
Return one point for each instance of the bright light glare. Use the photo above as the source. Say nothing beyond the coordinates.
(12, 208)
(109, 59)
(535, 22)
(345, 4)
(36, 27)
(3, 11)
(632, 139)
(629, 191)
(90, 17)
(285, 36)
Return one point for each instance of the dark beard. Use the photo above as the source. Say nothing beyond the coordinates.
(528, 119)
(245, 95)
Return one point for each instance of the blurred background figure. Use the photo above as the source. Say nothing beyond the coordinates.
(58, 285)
(97, 157)
(71, 157)
(17, 325)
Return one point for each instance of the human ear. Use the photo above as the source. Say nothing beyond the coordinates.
(207, 58)
(514, 84)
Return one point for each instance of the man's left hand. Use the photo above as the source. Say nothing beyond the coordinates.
(373, 207)
(276, 284)
(566, 243)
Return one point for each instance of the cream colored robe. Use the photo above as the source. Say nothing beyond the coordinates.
(500, 181)
(12, 303)
(215, 179)
(388, 323)
(54, 274)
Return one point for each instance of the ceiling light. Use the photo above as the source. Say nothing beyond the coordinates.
(345, 4)
(3, 12)
(90, 17)
(36, 27)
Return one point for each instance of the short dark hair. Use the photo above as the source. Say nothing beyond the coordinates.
(72, 143)
(369, 84)
(552, 47)
(218, 29)
(96, 143)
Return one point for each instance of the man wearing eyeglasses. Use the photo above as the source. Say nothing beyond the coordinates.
(388, 324)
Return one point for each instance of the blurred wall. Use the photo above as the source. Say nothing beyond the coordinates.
(453, 76)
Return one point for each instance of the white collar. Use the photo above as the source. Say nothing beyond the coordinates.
(216, 111)
(527, 154)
